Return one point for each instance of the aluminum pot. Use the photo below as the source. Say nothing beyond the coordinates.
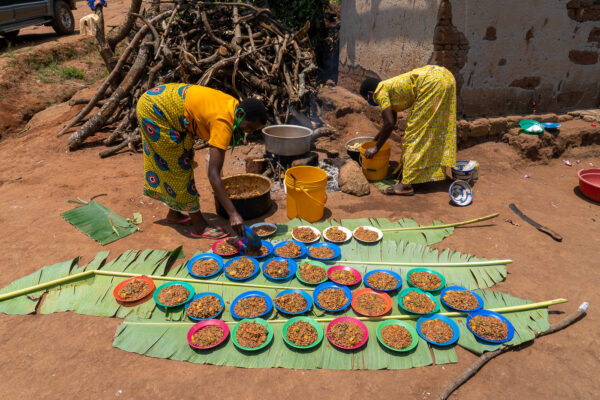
(287, 140)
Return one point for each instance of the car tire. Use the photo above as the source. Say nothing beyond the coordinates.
(63, 22)
(10, 35)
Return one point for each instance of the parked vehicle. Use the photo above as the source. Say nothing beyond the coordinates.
(18, 14)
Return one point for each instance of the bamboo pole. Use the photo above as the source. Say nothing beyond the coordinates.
(431, 265)
(500, 310)
(420, 228)
(46, 285)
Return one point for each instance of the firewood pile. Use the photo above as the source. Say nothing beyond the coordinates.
(234, 47)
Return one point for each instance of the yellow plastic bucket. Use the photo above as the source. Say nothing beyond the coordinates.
(306, 196)
(376, 168)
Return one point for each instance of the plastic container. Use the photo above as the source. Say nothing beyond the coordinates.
(344, 268)
(245, 295)
(204, 324)
(199, 296)
(316, 264)
(268, 245)
(259, 321)
(413, 334)
(306, 196)
(336, 251)
(330, 285)
(303, 248)
(589, 183)
(455, 329)
(384, 296)
(312, 228)
(461, 193)
(460, 288)
(387, 271)
(205, 256)
(354, 321)
(346, 231)
(254, 273)
(309, 301)
(500, 317)
(406, 291)
(442, 285)
(149, 281)
(233, 242)
(186, 285)
(292, 267)
(376, 168)
(465, 170)
(311, 321)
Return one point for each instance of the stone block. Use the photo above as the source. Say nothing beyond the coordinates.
(351, 180)
(480, 128)
(498, 126)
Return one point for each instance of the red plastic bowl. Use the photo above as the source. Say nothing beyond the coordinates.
(203, 324)
(589, 183)
(349, 269)
(232, 241)
(125, 282)
(384, 296)
(354, 321)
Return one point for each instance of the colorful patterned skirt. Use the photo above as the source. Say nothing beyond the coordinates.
(168, 149)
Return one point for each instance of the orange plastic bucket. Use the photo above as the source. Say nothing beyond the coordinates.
(376, 168)
(306, 196)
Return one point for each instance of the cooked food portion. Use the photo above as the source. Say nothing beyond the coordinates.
(489, 327)
(425, 280)
(302, 333)
(173, 295)
(382, 281)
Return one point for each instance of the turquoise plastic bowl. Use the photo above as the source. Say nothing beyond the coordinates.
(404, 292)
(186, 285)
(442, 285)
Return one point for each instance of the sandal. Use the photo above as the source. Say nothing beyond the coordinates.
(391, 191)
(211, 233)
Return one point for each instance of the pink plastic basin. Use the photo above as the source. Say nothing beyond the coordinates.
(589, 183)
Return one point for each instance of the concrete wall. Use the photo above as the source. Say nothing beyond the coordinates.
(501, 52)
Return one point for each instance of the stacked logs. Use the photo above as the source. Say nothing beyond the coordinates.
(234, 47)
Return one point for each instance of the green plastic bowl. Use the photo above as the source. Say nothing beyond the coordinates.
(186, 285)
(257, 320)
(443, 285)
(316, 264)
(404, 292)
(413, 334)
(311, 321)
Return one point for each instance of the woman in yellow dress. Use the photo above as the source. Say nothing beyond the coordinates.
(429, 142)
(170, 117)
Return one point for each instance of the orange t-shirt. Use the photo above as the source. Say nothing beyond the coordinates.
(210, 114)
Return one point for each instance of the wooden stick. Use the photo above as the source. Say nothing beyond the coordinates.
(46, 285)
(484, 358)
(420, 228)
(432, 265)
(530, 306)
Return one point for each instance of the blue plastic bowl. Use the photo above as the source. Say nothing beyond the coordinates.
(268, 245)
(455, 330)
(186, 285)
(292, 266)
(460, 288)
(488, 313)
(330, 285)
(550, 126)
(387, 271)
(254, 273)
(303, 248)
(461, 193)
(336, 251)
(252, 293)
(204, 294)
(309, 301)
(204, 256)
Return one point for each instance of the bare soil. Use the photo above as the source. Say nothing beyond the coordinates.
(67, 355)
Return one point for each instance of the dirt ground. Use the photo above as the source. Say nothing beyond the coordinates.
(70, 356)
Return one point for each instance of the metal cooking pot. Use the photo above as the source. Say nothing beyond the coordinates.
(287, 140)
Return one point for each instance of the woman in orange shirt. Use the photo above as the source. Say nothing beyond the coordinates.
(170, 116)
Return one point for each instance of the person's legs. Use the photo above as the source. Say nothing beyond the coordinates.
(201, 228)
(176, 217)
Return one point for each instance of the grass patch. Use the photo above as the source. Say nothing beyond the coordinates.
(71, 73)
(54, 71)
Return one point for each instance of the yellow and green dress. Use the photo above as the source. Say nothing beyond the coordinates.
(170, 117)
(429, 143)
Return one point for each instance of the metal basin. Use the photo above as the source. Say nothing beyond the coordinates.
(287, 140)
(249, 193)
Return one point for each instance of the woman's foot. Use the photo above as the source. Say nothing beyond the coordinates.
(209, 233)
(400, 190)
(175, 217)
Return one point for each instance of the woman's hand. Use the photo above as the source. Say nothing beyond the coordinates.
(371, 151)
(237, 224)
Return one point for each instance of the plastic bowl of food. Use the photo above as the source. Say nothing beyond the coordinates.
(333, 234)
(204, 324)
(282, 253)
(353, 146)
(461, 289)
(361, 308)
(330, 285)
(133, 297)
(342, 275)
(406, 293)
(243, 278)
(248, 295)
(227, 247)
(436, 289)
(349, 320)
(367, 234)
(589, 183)
(317, 264)
(312, 322)
(292, 267)
(258, 255)
(395, 322)
(306, 234)
(394, 275)
(261, 321)
(186, 285)
(306, 296)
(443, 318)
(315, 249)
(499, 317)
(195, 272)
(201, 295)
(264, 229)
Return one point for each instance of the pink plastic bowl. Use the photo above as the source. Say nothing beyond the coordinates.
(356, 274)
(206, 323)
(232, 241)
(354, 321)
(589, 183)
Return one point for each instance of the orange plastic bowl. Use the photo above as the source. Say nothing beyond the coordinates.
(589, 183)
(149, 281)
(384, 296)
